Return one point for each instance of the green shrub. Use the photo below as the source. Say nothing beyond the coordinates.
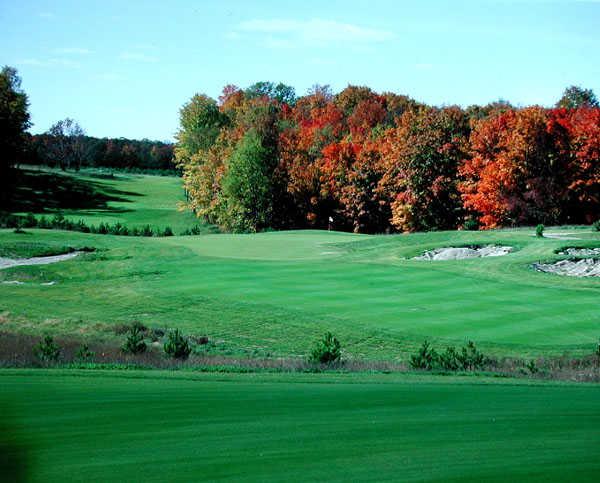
(118, 229)
(177, 346)
(425, 359)
(146, 231)
(167, 231)
(30, 221)
(47, 350)
(449, 360)
(43, 222)
(84, 353)
(195, 230)
(327, 351)
(134, 343)
(471, 225)
(596, 225)
(539, 230)
(470, 358)
(532, 367)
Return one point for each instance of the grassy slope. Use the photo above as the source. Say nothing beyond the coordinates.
(101, 426)
(131, 199)
(276, 292)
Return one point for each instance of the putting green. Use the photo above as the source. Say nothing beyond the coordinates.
(136, 426)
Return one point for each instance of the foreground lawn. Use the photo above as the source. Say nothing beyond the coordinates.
(140, 426)
(276, 293)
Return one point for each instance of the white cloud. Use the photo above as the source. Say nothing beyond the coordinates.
(73, 51)
(52, 62)
(281, 32)
(137, 57)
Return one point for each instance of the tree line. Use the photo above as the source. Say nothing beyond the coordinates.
(262, 158)
(66, 146)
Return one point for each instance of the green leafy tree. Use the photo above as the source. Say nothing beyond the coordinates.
(247, 186)
(200, 121)
(14, 122)
(574, 97)
(280, 92)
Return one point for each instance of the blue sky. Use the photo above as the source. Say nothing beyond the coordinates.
(124, 68)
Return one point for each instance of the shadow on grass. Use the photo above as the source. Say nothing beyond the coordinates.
(14, 454)
(41, 191)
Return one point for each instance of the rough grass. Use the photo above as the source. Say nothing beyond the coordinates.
(132, 426)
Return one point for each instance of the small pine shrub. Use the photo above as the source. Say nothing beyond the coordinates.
(81, 226)
(327, 351)
(58, 221)
(43, 222)
(195, 230)
(449, 360)
(146, 231)
(426, 358)
(84, 353)
(596, 225)
(471, 358)
(30, 221)
(134, 343)
(47, 350)
(167, 231)
(539, 230)
(177, 346)
(532, 367)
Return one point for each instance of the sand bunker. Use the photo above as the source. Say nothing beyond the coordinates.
(16, 262)
(586, 267)
(461, 253)
(561, 236)
(581, 252)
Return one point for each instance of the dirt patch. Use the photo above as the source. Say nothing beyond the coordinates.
(586, 267)
(17, 262)
(462, 253)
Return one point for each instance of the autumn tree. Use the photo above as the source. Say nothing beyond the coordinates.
(517, 168)
(583, 172)
(420, 161)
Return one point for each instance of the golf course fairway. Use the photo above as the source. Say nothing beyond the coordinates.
(156, 426)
